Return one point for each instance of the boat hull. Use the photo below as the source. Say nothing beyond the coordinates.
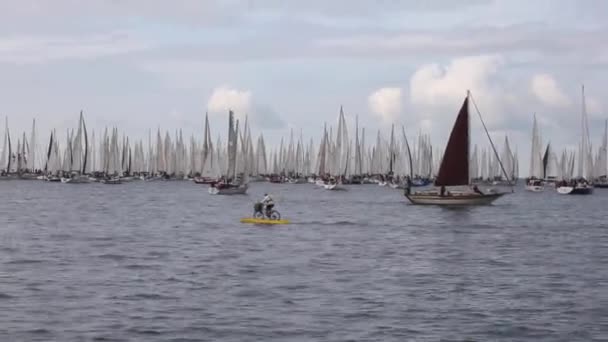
(240, 190)
(582, 191)
(570, 190)
(111, 181)
(254, 220)
(76, 180)
(535, 188)
(395, 186)
(204, 180)
(334, 187)
(420, 182)
(454, 199)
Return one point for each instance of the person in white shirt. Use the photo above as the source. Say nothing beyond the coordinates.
(268, 202)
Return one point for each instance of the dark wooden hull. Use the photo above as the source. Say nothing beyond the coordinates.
(582, 191)
(464, 199)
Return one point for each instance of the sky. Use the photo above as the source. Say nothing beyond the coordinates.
(289, 64)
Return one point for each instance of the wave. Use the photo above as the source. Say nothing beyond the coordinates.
(140, 267)
(23, 261)
(116, 257)
(144, 331)
(332, 223)
(139, 296)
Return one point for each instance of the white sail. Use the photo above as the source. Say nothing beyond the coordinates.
(32, 149)
(602, 159)
(5, 156)
(585, 157)
(536, 153)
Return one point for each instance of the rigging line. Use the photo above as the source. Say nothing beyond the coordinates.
(491, 142)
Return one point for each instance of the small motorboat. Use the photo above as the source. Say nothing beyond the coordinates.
(76, 179)
(204, 180)
(420, 182)
(228, 189)
(580, 187)
(334, 187)
(535, 185)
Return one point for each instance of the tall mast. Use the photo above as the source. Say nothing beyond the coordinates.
(86, 144)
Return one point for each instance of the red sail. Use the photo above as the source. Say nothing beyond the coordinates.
(454, 169)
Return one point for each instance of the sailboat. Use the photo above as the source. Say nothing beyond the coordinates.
(230, 184)
(454, 170)
(52, 158)
(208, 175)
(581, 186)
(7, 155)
(341, 156)
(602, 160)
(79, 156)
(535, 181)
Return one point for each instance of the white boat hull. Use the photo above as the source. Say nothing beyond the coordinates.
(112, 181)
(535, 188)
(453, 199)
(578, 190)
(330, 186)
(334, 187)
(240, 190)
(76, 180)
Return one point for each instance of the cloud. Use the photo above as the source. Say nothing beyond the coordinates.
(241, 102)
(545, 88)
(436, 85)
(225, 98)
(386, 103)
(32, 49)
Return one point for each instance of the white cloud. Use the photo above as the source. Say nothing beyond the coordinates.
(436, 85)
(241, 102)
(386, 103)
(225, 98)
(436, 91)
(546, 89)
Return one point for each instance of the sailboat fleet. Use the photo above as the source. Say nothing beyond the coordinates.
(342, 157)
(548, 168)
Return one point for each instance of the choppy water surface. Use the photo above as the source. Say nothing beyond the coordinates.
(166, 261)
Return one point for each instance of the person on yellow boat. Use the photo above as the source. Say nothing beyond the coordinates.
(268, 202)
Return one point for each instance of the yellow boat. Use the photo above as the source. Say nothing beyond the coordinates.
(263, 221)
